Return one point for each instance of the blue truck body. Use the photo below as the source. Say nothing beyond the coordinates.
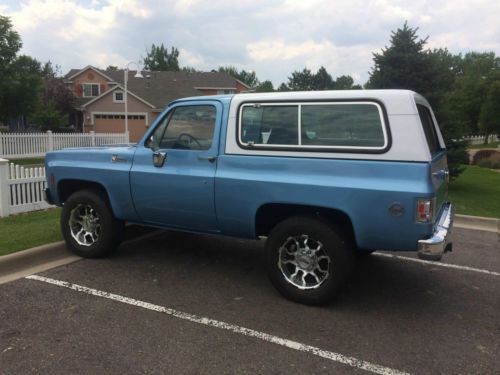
(220, 191)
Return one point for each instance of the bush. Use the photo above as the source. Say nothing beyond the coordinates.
(487, 159)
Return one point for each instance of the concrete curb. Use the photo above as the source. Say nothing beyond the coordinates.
(36, 259)
(42, 258)
(477, 223)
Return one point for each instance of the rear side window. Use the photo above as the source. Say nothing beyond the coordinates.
(429, 128)
(356, 125)
(336, 125)
(272, 125)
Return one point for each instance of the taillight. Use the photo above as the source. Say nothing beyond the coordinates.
(52, 182)
(425, 210)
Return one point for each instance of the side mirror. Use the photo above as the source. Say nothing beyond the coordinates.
(159, 158)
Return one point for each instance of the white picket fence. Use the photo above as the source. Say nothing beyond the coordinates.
(16, 145)
(21, 189)
(479, 139)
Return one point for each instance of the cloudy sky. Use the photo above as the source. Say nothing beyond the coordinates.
(272, 37)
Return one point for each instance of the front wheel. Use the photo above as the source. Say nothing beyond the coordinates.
(88, 225)
(307, 259)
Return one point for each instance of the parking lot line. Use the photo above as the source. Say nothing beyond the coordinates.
(336, 357)
(439, 264)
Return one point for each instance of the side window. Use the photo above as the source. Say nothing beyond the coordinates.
(271, 125)
(188, 128)
(429, 128)
(357, 125)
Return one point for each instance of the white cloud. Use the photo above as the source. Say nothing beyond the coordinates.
(273, 38)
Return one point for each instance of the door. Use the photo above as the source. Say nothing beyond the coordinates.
(172, 177)
(115, 123)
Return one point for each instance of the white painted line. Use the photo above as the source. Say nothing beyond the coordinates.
(336, 357)
(439, 264)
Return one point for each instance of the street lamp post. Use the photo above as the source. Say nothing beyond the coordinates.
(125, 96)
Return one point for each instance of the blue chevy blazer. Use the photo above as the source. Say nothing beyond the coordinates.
(324, 177)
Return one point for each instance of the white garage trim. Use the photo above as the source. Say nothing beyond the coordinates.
(145, 114)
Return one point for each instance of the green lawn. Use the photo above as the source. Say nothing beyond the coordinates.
(29, 161)
(476, 192)
(24, 231)
(480, 146)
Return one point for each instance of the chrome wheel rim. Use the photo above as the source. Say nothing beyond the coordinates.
(304, 262)
(85, 225)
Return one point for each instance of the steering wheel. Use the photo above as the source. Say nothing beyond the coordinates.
(190, 137)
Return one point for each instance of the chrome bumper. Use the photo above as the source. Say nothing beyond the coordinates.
(434, 247)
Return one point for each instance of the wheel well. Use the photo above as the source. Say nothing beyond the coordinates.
(67, 187)
(269, 215)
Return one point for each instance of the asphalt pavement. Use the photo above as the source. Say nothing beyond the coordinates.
(181, 303)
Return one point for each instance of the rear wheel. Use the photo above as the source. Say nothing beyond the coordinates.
(307, 259)
(88, 225)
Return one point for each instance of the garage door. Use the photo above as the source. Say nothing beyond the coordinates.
(105, 123)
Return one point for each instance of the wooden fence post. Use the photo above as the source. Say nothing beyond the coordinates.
(4, 188)
(92, 137)
(51, 140)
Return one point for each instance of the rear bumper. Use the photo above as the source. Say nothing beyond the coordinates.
(433, 248)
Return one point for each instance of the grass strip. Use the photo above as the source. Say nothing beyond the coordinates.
(476, 192)
(24, 231)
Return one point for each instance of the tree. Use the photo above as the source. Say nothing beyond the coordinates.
(112, 68)
(21, 87)
(47, 116)
(344, 83)
(301, 80)
(10, 44)
(406, 64)
(249, 78)
(322, 80)
(55, 100)
(159, 58)
(189, 69)
(283, 87)
(266, 86)
(489, 118)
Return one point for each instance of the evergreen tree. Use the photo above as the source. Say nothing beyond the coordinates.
(249, 78)
(266, 86)
(159, 58)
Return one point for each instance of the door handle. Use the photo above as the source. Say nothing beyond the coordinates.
(159, 158)
(443, 173)
(211, 159)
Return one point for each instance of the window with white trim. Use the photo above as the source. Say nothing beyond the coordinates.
(118, 97)
(90, 90)
(350, 125)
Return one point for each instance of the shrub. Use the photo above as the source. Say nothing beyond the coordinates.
(492, 161)
(487, 159)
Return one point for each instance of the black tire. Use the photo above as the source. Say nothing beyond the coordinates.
(110, 229)
(320, 231)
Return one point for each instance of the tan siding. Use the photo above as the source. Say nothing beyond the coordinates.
(88, 76)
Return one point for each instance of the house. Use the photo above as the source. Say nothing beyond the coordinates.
(100, 105)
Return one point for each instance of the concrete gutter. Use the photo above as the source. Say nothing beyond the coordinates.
(477, 223)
